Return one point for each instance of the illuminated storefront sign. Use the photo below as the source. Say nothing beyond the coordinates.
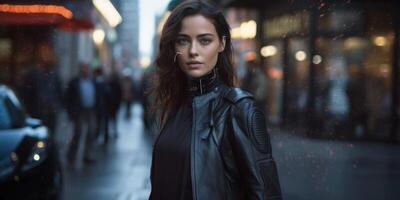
(36, 9)
(11, 14)
(246, 30)
(287, 24)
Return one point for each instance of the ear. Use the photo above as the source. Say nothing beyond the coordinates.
(222, 44)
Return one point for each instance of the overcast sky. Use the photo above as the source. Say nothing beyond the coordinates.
(148, 9)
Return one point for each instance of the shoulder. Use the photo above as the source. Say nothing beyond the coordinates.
(235, 95)
(242, 102)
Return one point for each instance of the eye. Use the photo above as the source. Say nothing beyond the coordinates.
(205, 41)
(182, 41)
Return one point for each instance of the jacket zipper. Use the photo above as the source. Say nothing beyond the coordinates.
(192, 157)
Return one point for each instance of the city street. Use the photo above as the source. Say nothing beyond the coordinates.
(326, 73)
(308, 168)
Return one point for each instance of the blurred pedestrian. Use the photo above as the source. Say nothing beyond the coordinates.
(356, 96)
(102, 111)
(114, 102)
(137, 85)
(255, 82)
(147, 98)
(127, 90)
(81, 101)
(213, 141)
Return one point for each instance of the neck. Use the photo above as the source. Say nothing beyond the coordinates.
(204, 84)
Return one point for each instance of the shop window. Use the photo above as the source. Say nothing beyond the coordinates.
(273, 64)
(297, 77)
(353, 85)
(341, 21)
(5, 49)
(297, 23)
(378, 72)
(5, 54)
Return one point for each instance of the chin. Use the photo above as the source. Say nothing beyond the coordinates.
(195, 73)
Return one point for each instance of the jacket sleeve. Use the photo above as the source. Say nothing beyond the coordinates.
(252, 150)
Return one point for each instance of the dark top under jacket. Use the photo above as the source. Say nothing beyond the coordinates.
(172, 157)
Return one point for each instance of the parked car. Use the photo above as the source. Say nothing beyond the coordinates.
(29, 165)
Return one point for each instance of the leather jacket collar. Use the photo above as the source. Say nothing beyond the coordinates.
(204, 84)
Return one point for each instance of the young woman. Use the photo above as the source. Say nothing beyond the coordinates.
(213, 142)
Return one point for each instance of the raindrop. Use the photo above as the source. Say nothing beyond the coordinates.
(321, 6)
(331, 153)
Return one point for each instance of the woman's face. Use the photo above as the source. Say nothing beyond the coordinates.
(198, 46)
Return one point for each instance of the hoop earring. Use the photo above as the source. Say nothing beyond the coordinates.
(176, 55)
(224, 38)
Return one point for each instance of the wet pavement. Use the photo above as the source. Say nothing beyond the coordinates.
(326, 169)
(309, 168)
(121, 170)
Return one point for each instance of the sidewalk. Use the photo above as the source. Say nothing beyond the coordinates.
(121, 171)
(327, 169)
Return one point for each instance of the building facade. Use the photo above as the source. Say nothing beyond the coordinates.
(128, 32)
(332, 66)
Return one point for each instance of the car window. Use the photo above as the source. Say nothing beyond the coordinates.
(5, 117)
(14, 100)
(16, 112)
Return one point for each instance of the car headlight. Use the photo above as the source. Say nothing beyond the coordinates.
(37, 156)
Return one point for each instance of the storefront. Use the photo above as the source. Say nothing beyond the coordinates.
(29, 33)
(331, 66)
(21, 47)
(65, 33)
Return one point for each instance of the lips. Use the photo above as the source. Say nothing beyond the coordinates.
(194, 64)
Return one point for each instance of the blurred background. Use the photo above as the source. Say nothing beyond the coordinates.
(325, 72)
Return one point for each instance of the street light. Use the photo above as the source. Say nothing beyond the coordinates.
(145, 62)
(246, 30)
(317, 59)
(380, 41)
(300, 55)
(106, 8)
(98, 36)
(268, 51)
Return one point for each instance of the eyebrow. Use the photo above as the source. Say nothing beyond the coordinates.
(201, 35)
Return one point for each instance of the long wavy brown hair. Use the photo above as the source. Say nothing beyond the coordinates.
(170, 80)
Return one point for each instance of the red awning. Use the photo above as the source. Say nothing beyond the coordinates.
(75, 25)
(30, 19)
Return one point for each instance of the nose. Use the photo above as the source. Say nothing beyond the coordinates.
(193, 51)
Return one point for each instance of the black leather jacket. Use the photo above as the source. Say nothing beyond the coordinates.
(231, 156)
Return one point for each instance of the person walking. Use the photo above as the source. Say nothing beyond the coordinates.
(81, 102)
(114, 102)
(102, 97)
(255, 82)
